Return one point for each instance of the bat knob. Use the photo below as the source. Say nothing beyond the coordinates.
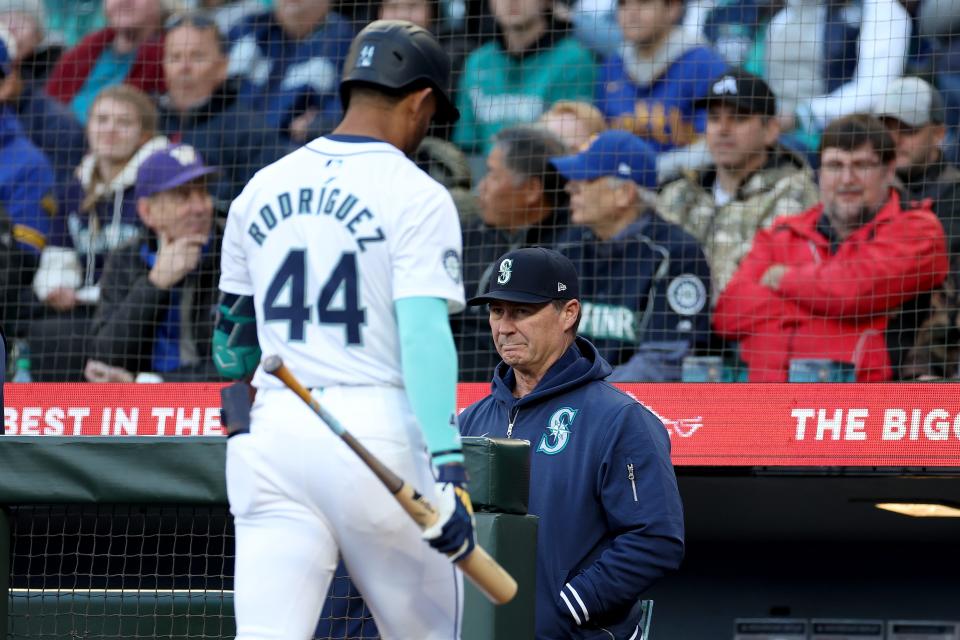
(271, 364)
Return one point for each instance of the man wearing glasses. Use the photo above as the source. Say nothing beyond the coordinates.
(822, 284)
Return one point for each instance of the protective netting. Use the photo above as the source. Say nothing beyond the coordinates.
(730, 280)
(128, 571)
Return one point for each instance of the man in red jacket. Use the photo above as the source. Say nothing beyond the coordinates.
(824, 284)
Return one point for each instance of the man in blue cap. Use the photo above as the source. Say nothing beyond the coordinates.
(158, 293)
(601, 480)
(646, 282)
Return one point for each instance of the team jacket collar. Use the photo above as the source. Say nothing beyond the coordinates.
(643, 225)
(580, 364)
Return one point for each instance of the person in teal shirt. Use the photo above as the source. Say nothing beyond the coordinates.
(513, 79)
(70, 20)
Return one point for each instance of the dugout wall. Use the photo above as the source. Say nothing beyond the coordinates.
(130, 538)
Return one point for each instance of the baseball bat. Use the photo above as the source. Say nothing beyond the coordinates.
(488, 576)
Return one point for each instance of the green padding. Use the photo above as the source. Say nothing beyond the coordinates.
(512, 540)
(499, 473)
(190, 470)
(61, 470)
(126, 615)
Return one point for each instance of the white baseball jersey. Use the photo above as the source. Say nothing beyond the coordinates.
(325, 240)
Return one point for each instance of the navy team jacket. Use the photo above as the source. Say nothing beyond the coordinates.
(644, 291)
(601, 481)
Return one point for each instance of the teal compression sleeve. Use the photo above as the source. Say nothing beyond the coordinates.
(429, 361)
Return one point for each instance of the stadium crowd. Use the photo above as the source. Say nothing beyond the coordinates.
(755, 183)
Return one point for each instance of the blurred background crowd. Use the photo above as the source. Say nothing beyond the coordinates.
(759, 190)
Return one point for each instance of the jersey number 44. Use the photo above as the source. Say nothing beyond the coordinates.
(291, 278)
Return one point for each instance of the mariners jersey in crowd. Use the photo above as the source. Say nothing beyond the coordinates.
(26, 185)
(654, 100)
(326, 239)
(499, 89)
(283, 76)
(648, 285)
(611, 522)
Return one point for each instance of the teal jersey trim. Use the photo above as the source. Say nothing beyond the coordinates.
(429, 362)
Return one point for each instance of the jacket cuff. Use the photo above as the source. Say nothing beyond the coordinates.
(579, 598)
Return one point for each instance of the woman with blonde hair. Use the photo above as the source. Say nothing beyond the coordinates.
(576, 123)
(98, 213)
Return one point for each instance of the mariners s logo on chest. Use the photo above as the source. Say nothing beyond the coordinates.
(554, 440)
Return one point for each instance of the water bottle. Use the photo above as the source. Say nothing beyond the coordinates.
(702, 369)
(21, 362)
(820, 370)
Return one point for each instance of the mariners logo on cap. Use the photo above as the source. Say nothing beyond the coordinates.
(725, 85)
(506, 270)
(365, 59)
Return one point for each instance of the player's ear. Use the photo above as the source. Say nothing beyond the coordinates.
(422, 99)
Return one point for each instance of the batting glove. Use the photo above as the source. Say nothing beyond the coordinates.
(453, 532)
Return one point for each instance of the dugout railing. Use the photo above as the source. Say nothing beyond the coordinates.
(130, 538)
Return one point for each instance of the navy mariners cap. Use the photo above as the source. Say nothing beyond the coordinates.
(168, 169)
(741, 90)
(618, 154)
(531, 275)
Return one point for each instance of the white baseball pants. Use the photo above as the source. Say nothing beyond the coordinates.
(300, 497)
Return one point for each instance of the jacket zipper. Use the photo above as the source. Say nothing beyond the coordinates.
(633, 482)
(513, 419)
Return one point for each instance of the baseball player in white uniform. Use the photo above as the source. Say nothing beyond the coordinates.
(344, 259)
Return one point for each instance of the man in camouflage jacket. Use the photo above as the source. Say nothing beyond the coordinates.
(752, 182)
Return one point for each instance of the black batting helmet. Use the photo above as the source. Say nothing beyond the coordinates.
(394, 55)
